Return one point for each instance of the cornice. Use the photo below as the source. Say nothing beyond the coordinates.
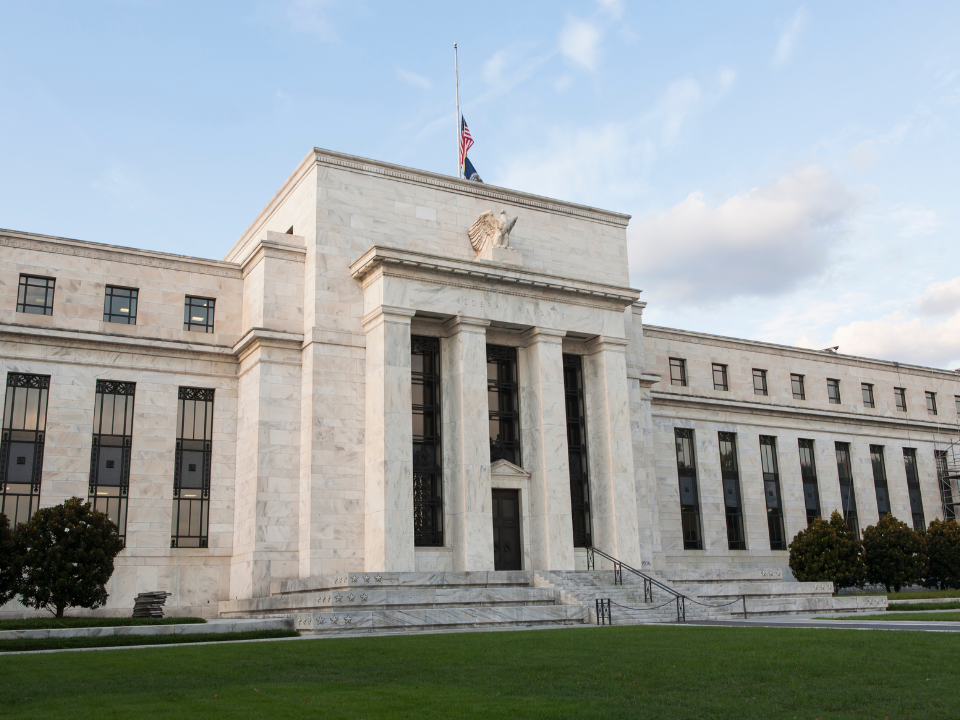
(271, 249)
(261, 337)
(116, 253)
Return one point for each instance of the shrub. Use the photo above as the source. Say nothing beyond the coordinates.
(65, 557)
(943, 555)
(893, 554)
(827, 551)
(8, 575)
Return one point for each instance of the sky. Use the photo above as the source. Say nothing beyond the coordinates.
(791, 169)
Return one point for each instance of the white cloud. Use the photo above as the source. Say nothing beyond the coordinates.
(941, 298)
(915, 221)
(613, 8)
(762, 242)
(311, 18)
(863, 155)
(412, 78)
(898, 336)
(580, 42)
(788, 38)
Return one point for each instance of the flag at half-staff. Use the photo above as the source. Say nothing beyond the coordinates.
(467, 170)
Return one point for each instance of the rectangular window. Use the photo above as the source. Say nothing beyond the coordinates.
(799, 391)
(880, 479)
(678, 371)
(848, 497)
(808, 473)
(720, 377)
(689, 495)
(191, 468)
(956, 399)
(900, 395)
(427, 455)
(503, 403)
(120, 305)
(577, 450)
(35, 295)
(833, 391)
(732, 503)
(931, 403)
(198, 314)
(945, 479)
(913, 488)
(759, 382)
(21, 445)
(867, 390)
(110, 450)
(771, 489)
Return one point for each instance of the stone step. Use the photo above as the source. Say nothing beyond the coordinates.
(345, 580)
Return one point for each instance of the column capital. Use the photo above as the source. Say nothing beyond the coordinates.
(465, 323)
(542, 334)
(386, 313)
(605, 343)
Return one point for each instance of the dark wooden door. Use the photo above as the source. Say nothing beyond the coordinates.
(506, 530)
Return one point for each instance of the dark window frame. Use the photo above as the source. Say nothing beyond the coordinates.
(912, 471)
(49, 287)
(192, 302)
(900, 398)
(680, 377)
(192, 500)
(577, 450)
(770, 469)
(22, 432)
(690, 522)
(866, 389)
(796, 381)
(724, 383)
(931, 402)
(425, 385)
(109, 294)
(502, 382)
(941, 458)
(845, 477)
(759, 374)
(808, 476)
(833, 391)
(732, 498)
(878, 462)
(112, 498)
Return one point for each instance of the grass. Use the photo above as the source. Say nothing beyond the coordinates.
(611, 672)
(911, 616)
(21, 645)
(908, 607)
(923, 594)
(80, 622)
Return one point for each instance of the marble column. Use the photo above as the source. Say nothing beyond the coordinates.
(388, 443)
(466, 443)
(543, 425)
(610, 451)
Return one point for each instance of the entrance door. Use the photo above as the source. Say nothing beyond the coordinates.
(506, 529)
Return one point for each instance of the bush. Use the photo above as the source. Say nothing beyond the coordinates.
(828, 551)
(64, 555)
(8, 575)
(943, 555)
(893, 554)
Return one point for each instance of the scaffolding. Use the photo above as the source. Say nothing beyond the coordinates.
(947, 451)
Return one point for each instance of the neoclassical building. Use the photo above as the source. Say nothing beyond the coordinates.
(386, 374)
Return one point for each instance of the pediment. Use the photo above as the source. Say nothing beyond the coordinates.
(506, 469)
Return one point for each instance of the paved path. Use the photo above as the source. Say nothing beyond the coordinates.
(777, 622)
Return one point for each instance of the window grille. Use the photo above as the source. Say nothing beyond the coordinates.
(689, 494)
(732, 502)
(35, 295)
(833, 391)
(799, 391)
(931, 403)
(900, 395)
(427, 455)
(198, 314)
(944, 480)
(110, 450)
(21, 445)
(867, 390)
(848, 496)
(880, 479)
(120, 305)
(759, 382)
(771, 489)
(191, 469)
(577, 450)
(720, 377)
(678, 371)
(808, 474)
(913, 488)
(503, 403)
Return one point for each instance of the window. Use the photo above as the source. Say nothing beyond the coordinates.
(771, 488)
(110, 450)
(503, 403)
(577, 450)
(678, 371)
(799, 391)
(931, 403)
(35, 295)
(120, 305)
(720, 377)
(867, 390)
(191, 468)
(689, 499)
(808, 474)
(944, 479)
(198, 314)
(900, 394)
(759, 382)
(956, 399)
(880, 479)
(913, 488)
(848, 497)
(427, 455)
(732, 503)
(833, 391)
(21, 445)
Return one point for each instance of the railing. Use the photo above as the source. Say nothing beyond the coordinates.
(603, 612)
(648, 584)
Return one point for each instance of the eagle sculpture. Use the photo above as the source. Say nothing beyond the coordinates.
(487, 230)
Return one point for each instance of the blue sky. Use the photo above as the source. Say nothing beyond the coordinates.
(791, 168)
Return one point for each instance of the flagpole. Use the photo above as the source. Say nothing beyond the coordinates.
(456, 72)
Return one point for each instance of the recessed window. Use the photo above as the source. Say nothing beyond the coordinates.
(771, 488)
(577, 450)
(759, 382)
(956, 399)
(808, 473)
(198, 314)
(848, 496)
(192, 468)
(120, 305)
(913, 488)
(833, 391)
(730, 474)
(720, 377)
(21, 437)
(427, 452)
(689, 495)
(110, 450)
(678, 371)
(900, 395)
(880, 479)
(503, 404)
(799, 391)
(35, 295)
(931, 403)
(867, 389)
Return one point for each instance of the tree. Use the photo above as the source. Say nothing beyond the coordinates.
(827, 551)
(8, 574)
(893, 554)
(943, 555)
(65, 556)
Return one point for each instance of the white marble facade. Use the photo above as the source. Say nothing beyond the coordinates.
(310, 362)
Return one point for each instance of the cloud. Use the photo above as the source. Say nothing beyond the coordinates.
(863, 155)
(788, 38)
(941, 298)
(580, 42)
(613, 8)
(915, 221)
(412, 78)
(762, 242)
(311, 17)
(906, 339)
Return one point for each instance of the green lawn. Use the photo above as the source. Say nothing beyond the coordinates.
(918, 607)
(923, 594)
(51, 623)
(24, 644)
(610, 672)
(911, 616)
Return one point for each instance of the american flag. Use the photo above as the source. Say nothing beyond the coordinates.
(466, 141)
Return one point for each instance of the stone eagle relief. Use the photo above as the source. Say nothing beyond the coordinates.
(486, 231)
